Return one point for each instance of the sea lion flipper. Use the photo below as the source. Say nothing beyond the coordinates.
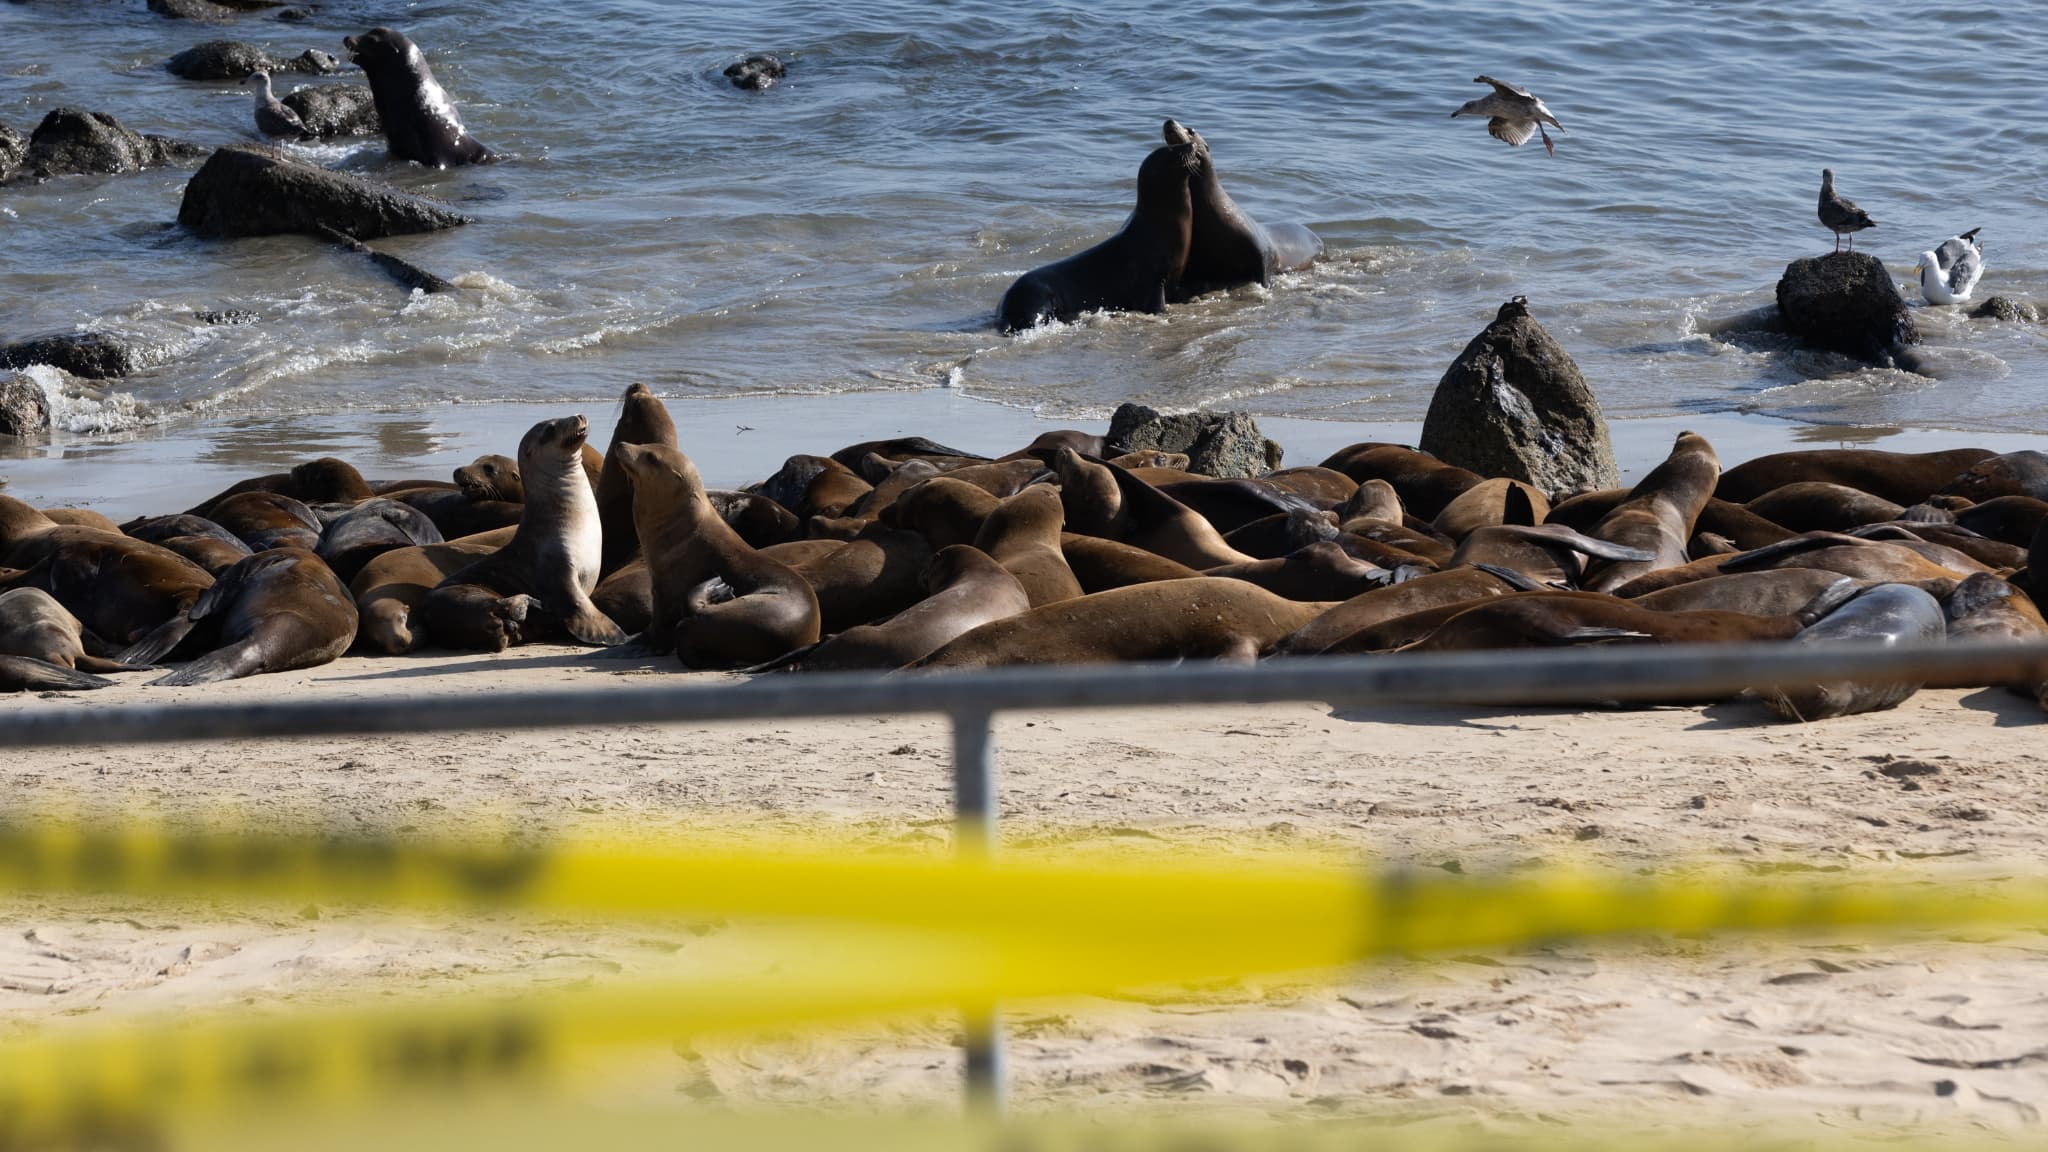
(1596, 635)
(24, 674)
(638, 647)
(1294, 246)
(159, 643)
(230, 663)
(91, 663)
(590, 626)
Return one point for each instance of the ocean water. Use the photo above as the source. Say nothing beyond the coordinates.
(853, 228)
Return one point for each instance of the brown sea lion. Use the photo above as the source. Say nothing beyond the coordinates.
(1147, 458)
(901, 448)
(965, 588)
(1045, 444)
(718, 603)
(491, 478)
(1983, 610)
(34, 625)
(82, 518)
(1819, 506)
(1546, 553)
(1584, 511)
(1901, 477)
(157, 529)
(392, 585)
(1426, 484)
(877, 574)
(120, 588)
(1992, 554)
(888, 485)
(643, 419)
(456, 515)
(1887, 615)
(1283, 534)
(1490, 504)
(2023, 473)
(1772, 593)
(759, 520)
(322, 481)
(1555, 619)
(276, 611)
(627, 596)
(1143, 516)
(550, 562)
(1459, 586)
(2008, 519)
(1320, 573)
(1875, 561)
(1229, 504)
(1101, 564)
(22, 674)
(210, 553)
(814, 486)
(1199, 619)
(795, 552)
(1022, 534)
(267, 520)
(998, 478)
(1372, 500)
(944, 510)
(1658, 515)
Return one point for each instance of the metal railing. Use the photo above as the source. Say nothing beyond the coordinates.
(1632, 673)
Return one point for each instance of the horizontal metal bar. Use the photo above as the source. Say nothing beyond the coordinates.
(1572, 676)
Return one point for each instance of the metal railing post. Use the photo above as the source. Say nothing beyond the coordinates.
(974, 813)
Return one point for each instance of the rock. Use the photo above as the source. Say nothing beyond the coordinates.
(1514, 404)
(192, 10)
(255, 191)
(24, 410)
(70, 141)
(756, 72)
(12, 149)
(1996, 308)
(92, 355)
(1846, 302)
(233, 60)
(335, 110)
(1223, 444)
(228, 316)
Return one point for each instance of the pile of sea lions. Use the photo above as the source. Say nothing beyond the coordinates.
(907, 554)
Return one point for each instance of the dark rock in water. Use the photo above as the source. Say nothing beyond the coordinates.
(1996, 308)
(12, 149)
(24, 410)
(1846, 302)
(295, 14)
(92, 355)
(233, 60)
(404, 271)
(1223, 444)
(70, 141)
(192, 10)
(756, 72)
(335, 110)
(1514, 404)
(227, 316)
(253, 191)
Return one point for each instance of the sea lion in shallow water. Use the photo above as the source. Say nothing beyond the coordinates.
(1200, 619)
(1885, 616)
(278, 610)
(419, 120)
(1226, 247)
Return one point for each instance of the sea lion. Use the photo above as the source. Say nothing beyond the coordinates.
(1000, 479)
(455, 515)
(879, 573)
(1373, 500)
(267, 520)
(82, 518)
(1227, 248)
(1044, 444)
(210, 553)
(1022, 534)
(278, 610)
(551, 561)
(966, 588)
(393, 584)
(627, 596)
(34, 625)
(1143, 515)
(901, 448)
(759, 520)
(1231, 504)
(119, 588)
(1902, 477)
(1878, 561)
(2010, 519)
(157, 529)
(1283, 534)
(643, 419)
(1546, 553)
(1658, 515)
(1982, 610)
(323, 481)
(814, 486)
(1771, 593)
(1993, 554)
(1101, 564)
(1136, 270)
(1148, 458)
(1819, 506)
(1199, 619)
(890, 480)
(1887, 615)
(419, 120)
(491, 478)
(1557, 619)
(795, 552)
(1320, 573)
(718, 603)
(1490, 504)
(22, 674)
(2022, 473)
(1461, 586)
(1425, 484)
(944, 510)
(371, 529)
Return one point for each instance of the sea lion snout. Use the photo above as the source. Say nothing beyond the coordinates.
(1175, 133)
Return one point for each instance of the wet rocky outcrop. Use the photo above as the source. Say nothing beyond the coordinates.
(235, 59)
(335, 110)
(24, 410)
(1223, 444)
(257, 191)
(71, 141)
(12, 149)
(2007, 309)
(1846, 302)
(91, 355)
(1514, 404)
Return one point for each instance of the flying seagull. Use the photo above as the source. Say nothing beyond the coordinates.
(1948, 274)
(1842, 217)
(272, 117)
(1511, 114)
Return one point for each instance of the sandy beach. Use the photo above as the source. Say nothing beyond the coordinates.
(1868, 1034)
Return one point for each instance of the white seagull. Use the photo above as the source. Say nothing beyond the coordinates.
(1512, 114)
(1948, 274)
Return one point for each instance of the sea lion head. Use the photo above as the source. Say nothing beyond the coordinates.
(551, 445)
(380, 48)
(491, 478)
(658, 468)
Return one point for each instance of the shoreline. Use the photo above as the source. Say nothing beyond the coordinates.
(740, 440)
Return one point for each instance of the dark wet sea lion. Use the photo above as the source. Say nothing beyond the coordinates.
(643, 419)
(900, 448)
(1227, 248)
(1988, 610)
(1045, 444)
(2011, 519)
(1231, 504)
(1199, 619)
(267, 520)
(456, 515)
(491, 478)
(1136, 270)
(1900, 477)
(1022, 534)
(1421, 594)
(1556, 619)
(157, 529)
(718, 603)
(82, 518)
(1143, 515)
(1101, 564)
(944, 510)
(278, 610)
(1283, 534)
(759, 520)
(1820, 506)
(1491, 504)
(1658, 515)
(322, 481)
(551, 560)
(419, 120)
(966, 589)
(371, 529)
(814, 486)
(393, 584)
(118, 587)
(34, 625)
(2022, 473)
(1425, 484)
(22, 674)
(1320, 573)
(1887, 615)
(210, 553)
(877, 574)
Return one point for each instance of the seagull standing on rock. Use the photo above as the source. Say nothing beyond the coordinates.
(272, 117)
(1511, 114)
(1842, 217)
(1949, 274)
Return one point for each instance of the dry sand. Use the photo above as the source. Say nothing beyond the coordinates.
(1891, 1033)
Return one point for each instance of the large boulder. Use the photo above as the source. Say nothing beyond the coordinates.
(70, 141)
(1846, 302)
(12, 149)
(24, 410)
(335, 110)
(256, 191)
(92, 355)
(234, 60)
(1225, 444)
(1514, 404)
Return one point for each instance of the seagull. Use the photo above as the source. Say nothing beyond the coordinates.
(272, 117)
(1842, 217)
(1948, 274)
(1511, 114)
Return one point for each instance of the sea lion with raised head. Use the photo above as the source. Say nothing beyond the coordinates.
(278, 610)
(1226, 247)
(1143, 515)
(419, 120)
(1022, 534)
(643, 419)
(1658, 515)
(1136, 270)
